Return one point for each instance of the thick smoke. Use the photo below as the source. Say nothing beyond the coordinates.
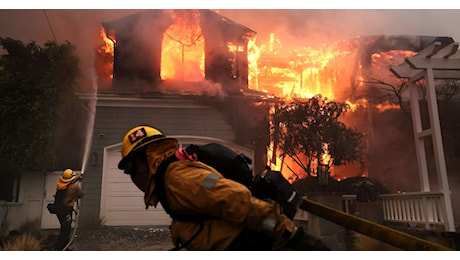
(314, 27)
(79, 27)
(200, 88)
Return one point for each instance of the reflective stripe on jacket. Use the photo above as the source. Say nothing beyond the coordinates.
(198, 189)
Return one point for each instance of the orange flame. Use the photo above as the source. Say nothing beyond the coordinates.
(182, 52)
(357, 104)
(383, 60)
(386, 106)
(253, 60)
(298, 73)
(326, 157)
(107, 51)
(109, 43)
(305, 72)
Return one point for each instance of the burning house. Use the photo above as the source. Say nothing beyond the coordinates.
(158, 49)
(201, 77)
(184, 72)
(354, 71)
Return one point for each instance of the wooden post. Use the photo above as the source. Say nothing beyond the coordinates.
(433, 62)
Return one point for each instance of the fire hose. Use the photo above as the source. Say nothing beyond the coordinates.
(382, 233)
(74, 233)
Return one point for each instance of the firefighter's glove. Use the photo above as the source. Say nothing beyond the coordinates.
(299, 240)
(271, 184)
(263, 187)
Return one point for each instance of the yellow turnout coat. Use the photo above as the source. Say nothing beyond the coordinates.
(194, 188)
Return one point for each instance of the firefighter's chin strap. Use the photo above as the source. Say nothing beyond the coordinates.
(77, 211)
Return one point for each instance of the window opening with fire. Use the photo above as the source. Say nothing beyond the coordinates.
(182, 52)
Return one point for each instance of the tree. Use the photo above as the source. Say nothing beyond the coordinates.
(309, 130)
(395, 128)
(35, 83)
(381, 92)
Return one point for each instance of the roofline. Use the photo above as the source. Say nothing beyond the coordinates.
(163, 100)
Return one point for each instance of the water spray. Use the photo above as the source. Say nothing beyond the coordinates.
(89, 129)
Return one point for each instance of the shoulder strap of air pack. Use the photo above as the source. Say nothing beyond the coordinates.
(230, 164)
(161, 193)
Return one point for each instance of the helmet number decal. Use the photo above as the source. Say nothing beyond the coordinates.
(137, 135)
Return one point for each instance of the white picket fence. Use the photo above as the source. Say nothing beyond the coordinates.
(413, 208)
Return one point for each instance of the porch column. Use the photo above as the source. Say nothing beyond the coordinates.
(433, 62)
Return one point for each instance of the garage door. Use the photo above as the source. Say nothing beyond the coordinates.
(122, 203)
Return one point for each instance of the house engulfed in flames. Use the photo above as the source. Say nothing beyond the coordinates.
(172, 50)
(194, 53)
(199, 52)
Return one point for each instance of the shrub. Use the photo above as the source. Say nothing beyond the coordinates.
(27, 237)
(22, 242)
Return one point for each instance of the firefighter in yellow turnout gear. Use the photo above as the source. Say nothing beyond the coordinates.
(235, 220)
(68, 191)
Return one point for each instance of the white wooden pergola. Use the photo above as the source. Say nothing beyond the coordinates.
(433, 62)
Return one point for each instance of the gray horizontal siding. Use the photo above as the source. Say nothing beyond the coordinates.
(111, 123)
